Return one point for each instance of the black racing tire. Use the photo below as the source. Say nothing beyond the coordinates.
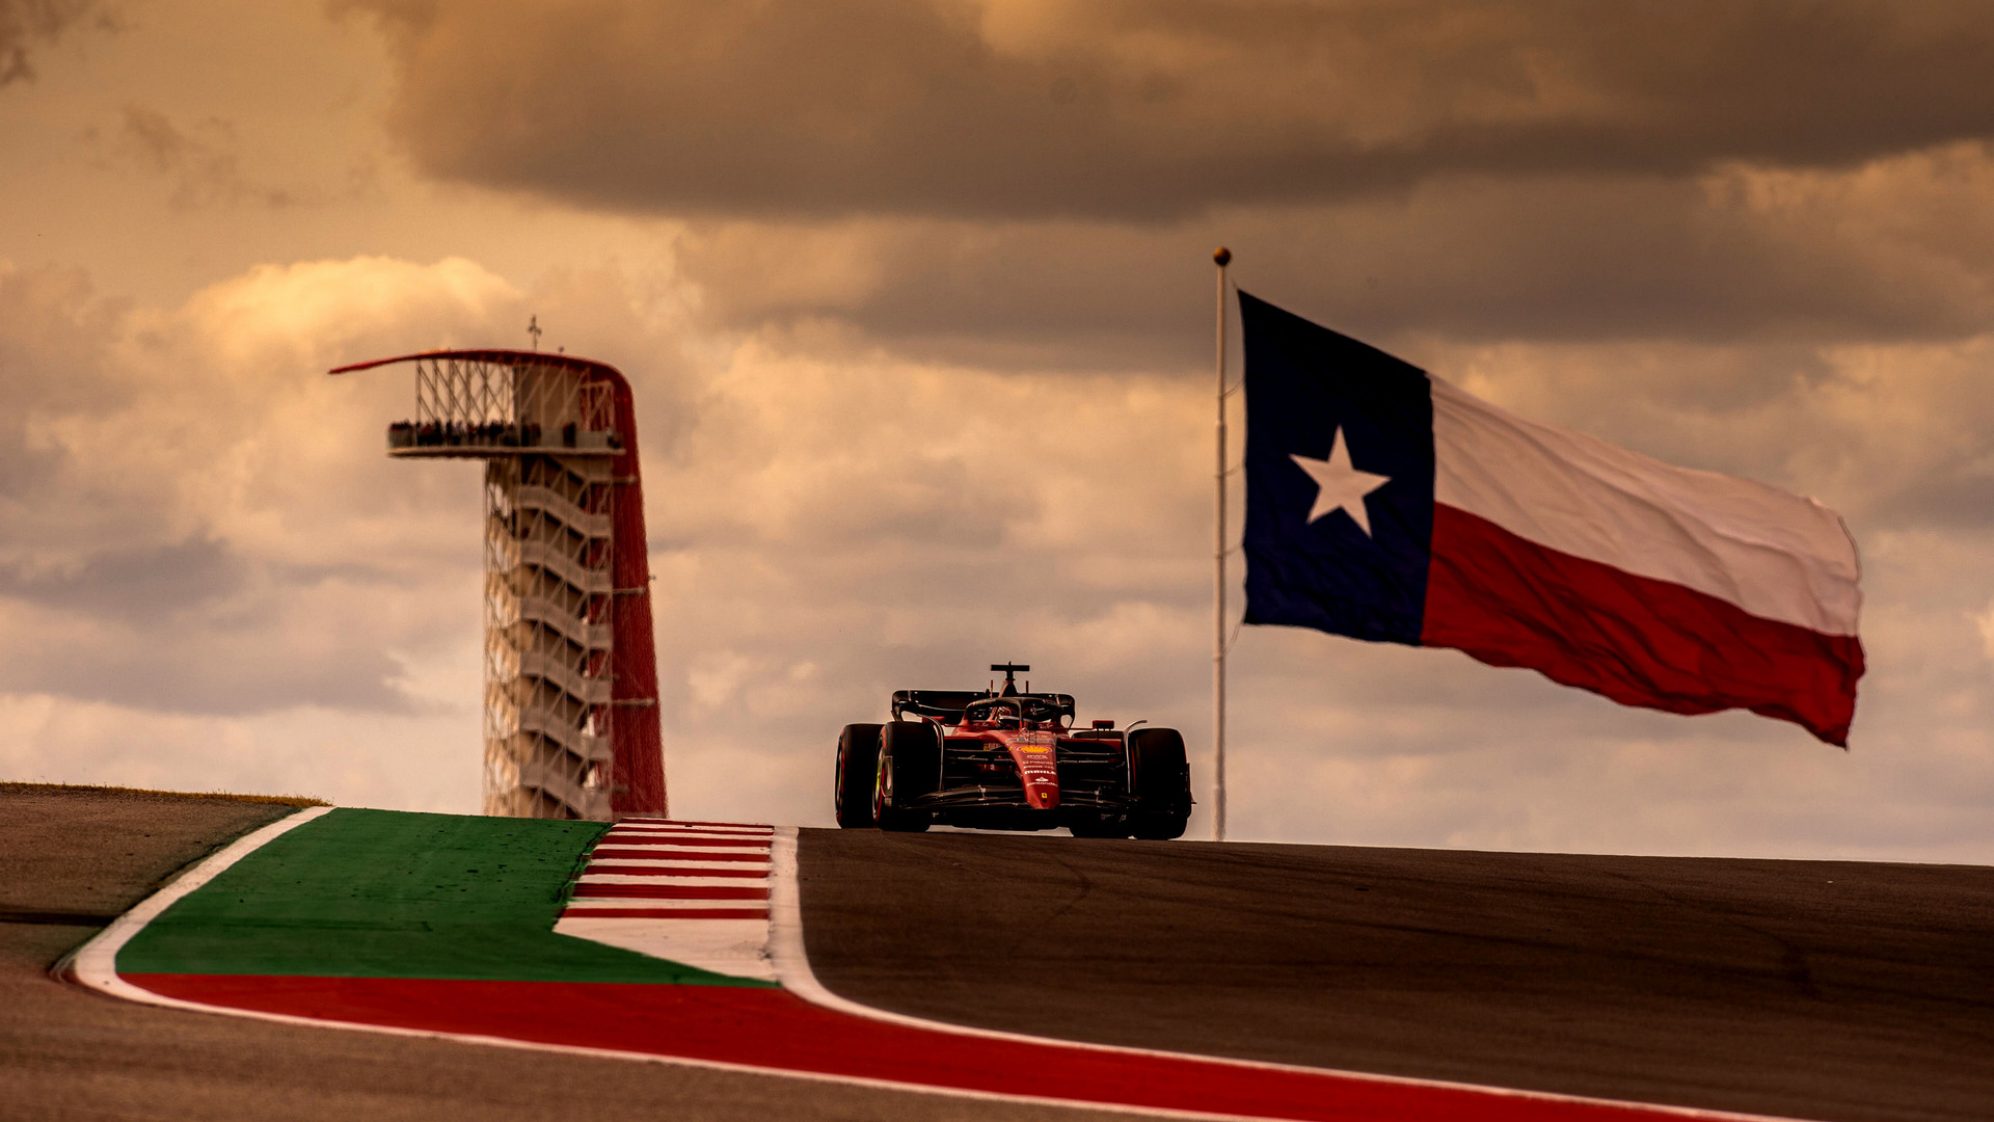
(916, 748)
(910, 765)
(1099, 826)
(1160, 783)
(858, 768)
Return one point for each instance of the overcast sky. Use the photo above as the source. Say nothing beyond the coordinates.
(916, 298)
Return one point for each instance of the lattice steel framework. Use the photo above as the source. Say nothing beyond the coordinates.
(571, 719)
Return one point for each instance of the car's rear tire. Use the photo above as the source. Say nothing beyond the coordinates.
(858, 767)
(910, 765)
(1160, 784)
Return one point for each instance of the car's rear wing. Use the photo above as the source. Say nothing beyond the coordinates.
(947, 705)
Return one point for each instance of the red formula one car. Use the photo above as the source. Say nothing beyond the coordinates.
(1006, 760)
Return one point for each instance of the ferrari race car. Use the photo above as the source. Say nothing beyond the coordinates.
(1006, 760)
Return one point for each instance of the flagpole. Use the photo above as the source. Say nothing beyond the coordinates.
(1222, 257)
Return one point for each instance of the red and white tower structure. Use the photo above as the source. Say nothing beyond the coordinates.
(571, 678)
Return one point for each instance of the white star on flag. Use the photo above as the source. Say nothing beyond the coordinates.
(1339, 486)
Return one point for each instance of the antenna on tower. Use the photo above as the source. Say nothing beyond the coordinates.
(533, 329)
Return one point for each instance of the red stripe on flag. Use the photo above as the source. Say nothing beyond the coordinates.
(1637, 640)
(665, 913)
(614, 852)
(587, 891)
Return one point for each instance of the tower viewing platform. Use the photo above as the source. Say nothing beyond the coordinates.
(571, 685)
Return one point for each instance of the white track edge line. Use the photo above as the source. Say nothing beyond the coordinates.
(93, 966)
(95, 963)
(792, 963)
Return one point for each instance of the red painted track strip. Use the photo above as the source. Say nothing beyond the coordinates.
(675, 837)
(665, 913)
(693, 843)
(612, 869)
(1639, 641)
(773, 1029)
(587, 891)
(694, 854)
(661, 828)
(690, 822)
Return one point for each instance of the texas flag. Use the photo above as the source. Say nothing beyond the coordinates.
(1385, 504)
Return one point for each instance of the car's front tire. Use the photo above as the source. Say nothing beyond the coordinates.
(1160, 784)
(1099, 826)
(858, 767)
(910, 765)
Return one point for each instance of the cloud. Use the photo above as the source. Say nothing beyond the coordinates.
(1022, 109)
(146, 583)
(26, 25)
(262, 649)
(1038, 185)
(202, 163)
(207, 524)
(357, 759)
(50, 359)
(1893, 250)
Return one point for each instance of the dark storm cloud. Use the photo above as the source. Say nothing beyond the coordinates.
(149, 582)
(26, 25)
(1545, 258)
(1153, 111)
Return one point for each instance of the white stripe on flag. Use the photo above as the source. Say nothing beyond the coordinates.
(1777, 556)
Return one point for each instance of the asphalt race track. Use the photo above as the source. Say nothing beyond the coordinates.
(1827, 990)
(1816, 990)
(73, 860)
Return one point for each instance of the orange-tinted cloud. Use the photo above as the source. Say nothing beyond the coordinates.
(1898, 249)
(1134, 110)
(28, 25)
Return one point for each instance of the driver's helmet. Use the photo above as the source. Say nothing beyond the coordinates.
(1003, 714)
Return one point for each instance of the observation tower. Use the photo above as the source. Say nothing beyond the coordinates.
(571, 677)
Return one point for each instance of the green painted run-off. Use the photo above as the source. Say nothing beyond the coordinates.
(384, 894)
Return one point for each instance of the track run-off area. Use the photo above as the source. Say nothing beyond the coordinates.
(1155, 978)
